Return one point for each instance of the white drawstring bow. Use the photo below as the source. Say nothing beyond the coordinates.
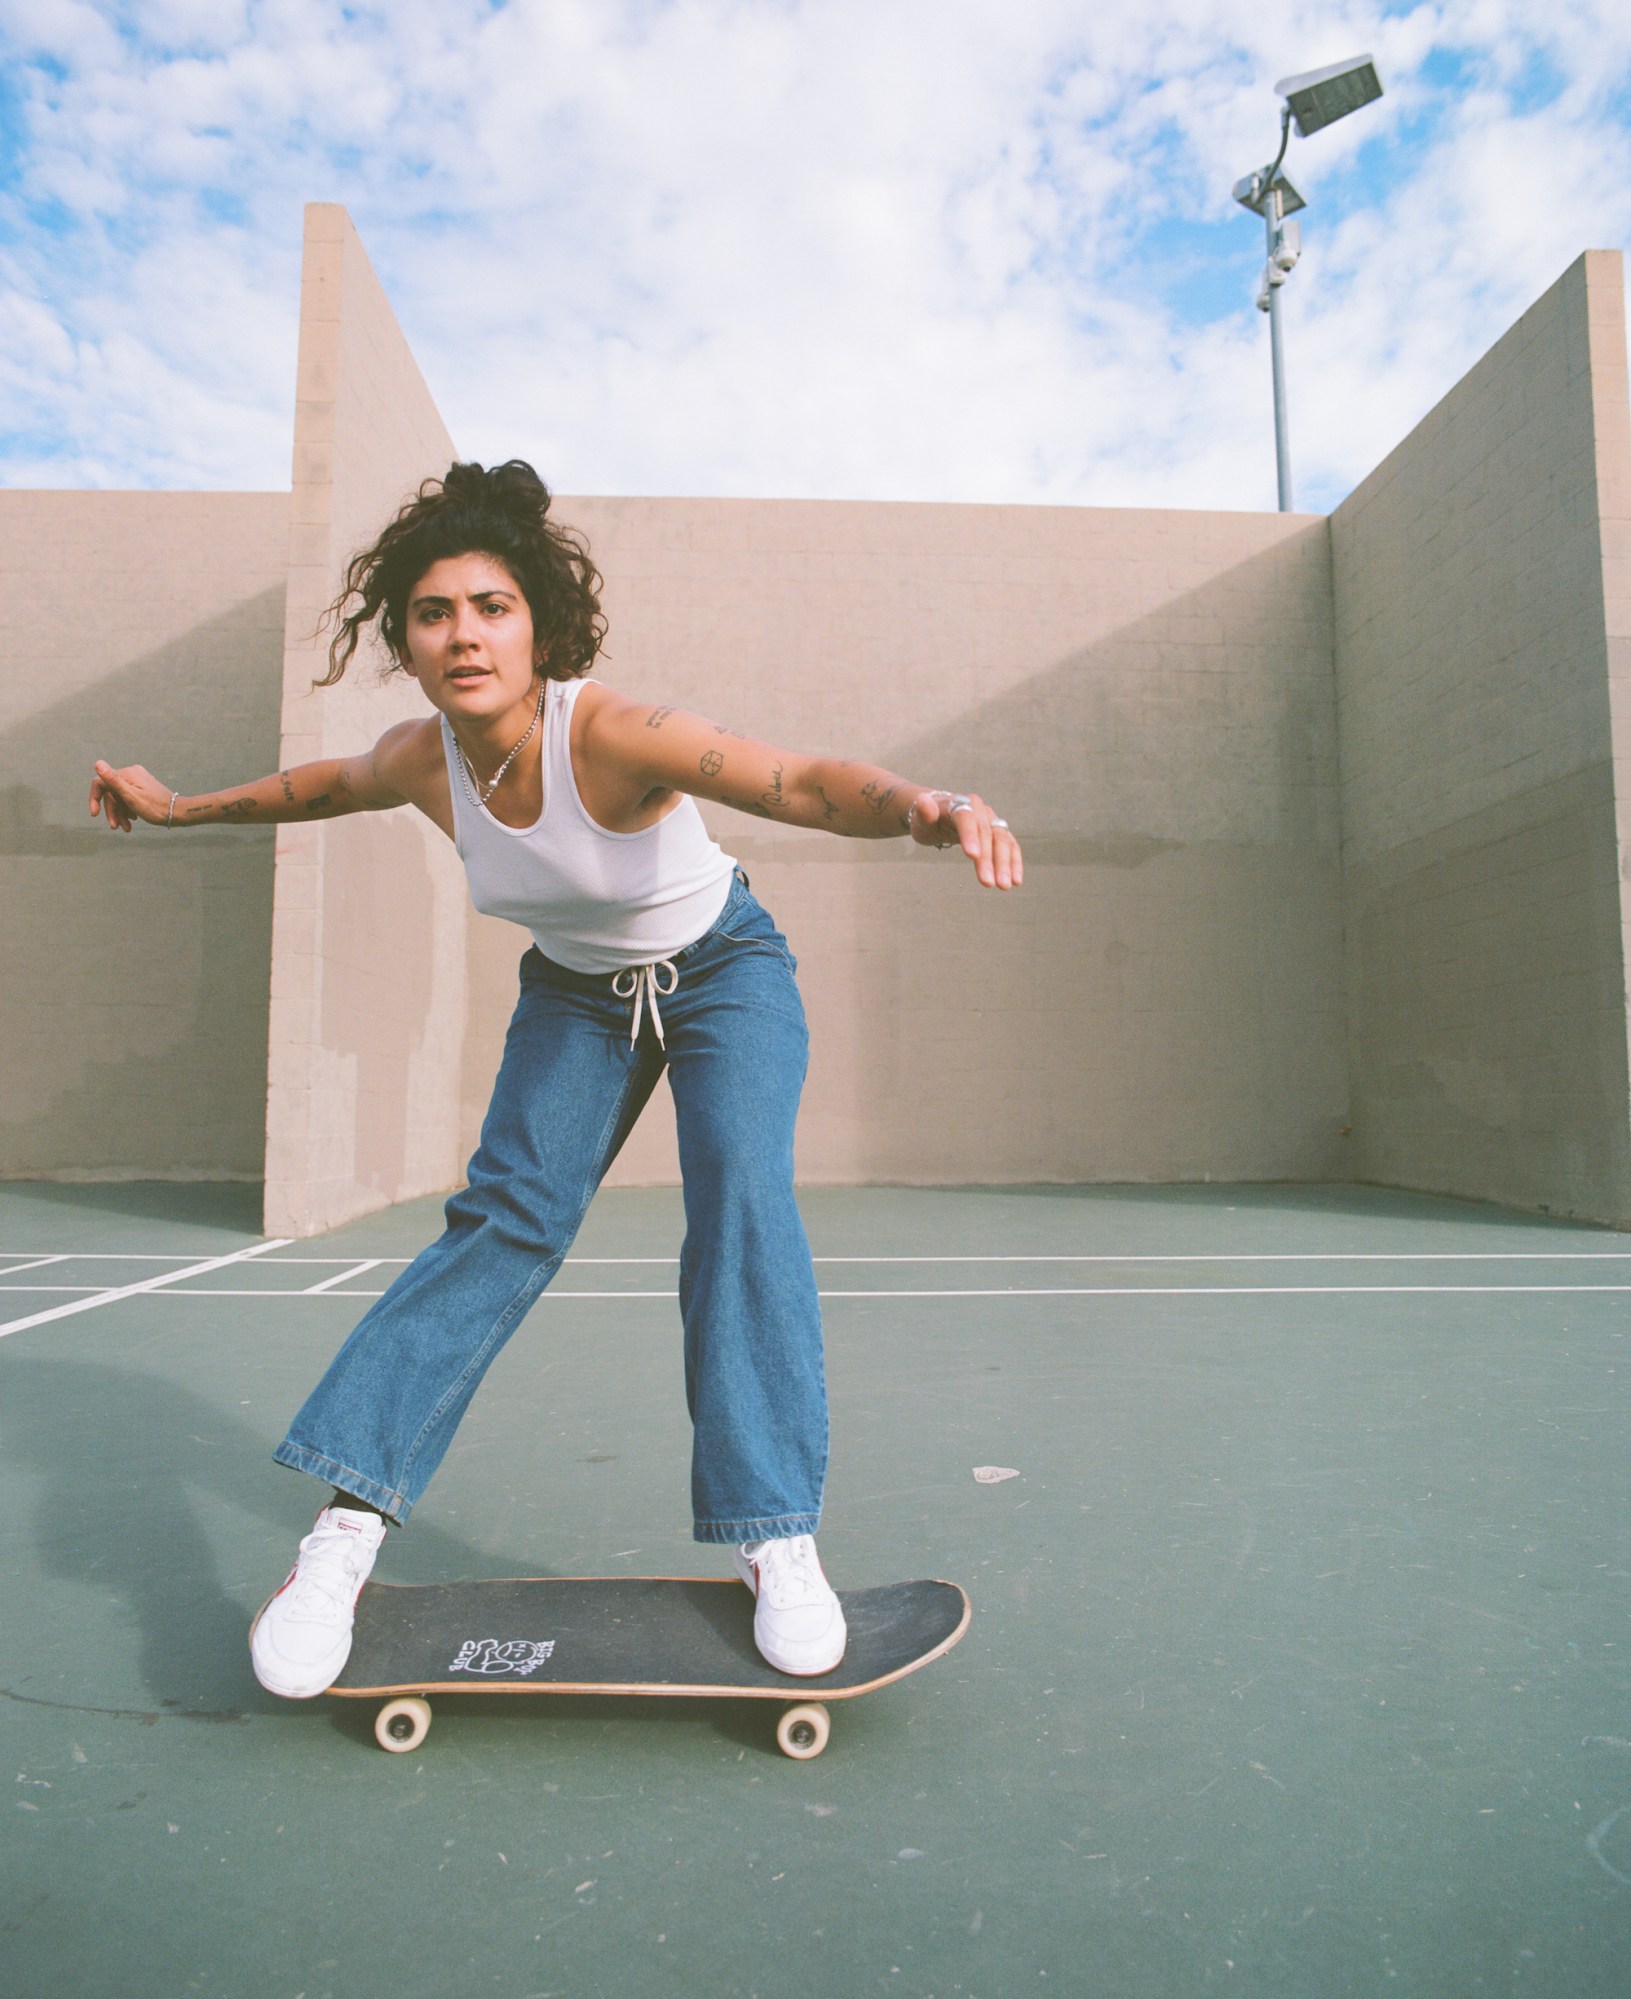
(643, 988)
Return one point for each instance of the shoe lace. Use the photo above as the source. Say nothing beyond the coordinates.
(789, 1571)
(330, 1559)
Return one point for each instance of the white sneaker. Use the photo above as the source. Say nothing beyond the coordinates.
(798, 1625)
(302, 1637)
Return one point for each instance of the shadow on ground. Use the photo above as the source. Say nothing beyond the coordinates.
(142, 1495)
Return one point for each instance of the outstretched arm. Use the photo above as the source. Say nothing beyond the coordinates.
(667, 748)
(323, 790)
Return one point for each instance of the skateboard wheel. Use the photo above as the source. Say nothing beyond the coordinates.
(402, 1725)
(802, 1731)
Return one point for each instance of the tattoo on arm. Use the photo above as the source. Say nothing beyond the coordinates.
(712, 763)
(288, 788)
(658, 717)
(772, 797)
(877, 798)
(721, 730)
(236, 807)
(828, 809)
(317, 804)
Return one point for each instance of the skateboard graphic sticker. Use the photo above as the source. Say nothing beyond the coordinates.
(509, 1658)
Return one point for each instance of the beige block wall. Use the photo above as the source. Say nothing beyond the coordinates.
(1147, 696)
(145, 628)
(1483, 908)
(368, 982)
(1611, 438)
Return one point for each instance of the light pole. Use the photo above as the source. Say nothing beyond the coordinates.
(1312, 101)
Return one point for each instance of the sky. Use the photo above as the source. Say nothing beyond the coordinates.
(965, 250)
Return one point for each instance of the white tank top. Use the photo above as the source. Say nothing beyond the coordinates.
(594, 901)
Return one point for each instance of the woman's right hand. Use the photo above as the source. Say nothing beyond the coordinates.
(128, 795)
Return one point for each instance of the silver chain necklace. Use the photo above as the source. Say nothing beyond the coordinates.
(469, 773)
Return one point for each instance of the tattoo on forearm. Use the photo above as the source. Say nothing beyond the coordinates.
(876, 797)
(828, 809)
(658, 717)
(773, 796)
(712, 763)
(237, 807)
(721, 730)
(288, 788)
(317, 804)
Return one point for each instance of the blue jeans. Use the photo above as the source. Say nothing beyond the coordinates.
(569, 1089)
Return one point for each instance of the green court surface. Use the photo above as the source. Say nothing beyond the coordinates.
(1299, 1661)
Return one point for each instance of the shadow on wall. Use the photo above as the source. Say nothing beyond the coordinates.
(133, 985)
(1164, 1000)
(231, 1206)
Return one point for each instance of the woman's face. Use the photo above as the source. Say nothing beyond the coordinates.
(469, 640)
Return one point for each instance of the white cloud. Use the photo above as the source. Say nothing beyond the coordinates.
(748, 246)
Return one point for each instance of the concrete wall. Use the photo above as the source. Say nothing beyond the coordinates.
(1147, 697)
(1223, 953)
(1486, 978)
(368, 986)
(1611, 447)
(146, 628)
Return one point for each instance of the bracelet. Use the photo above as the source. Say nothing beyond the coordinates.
(170, 816)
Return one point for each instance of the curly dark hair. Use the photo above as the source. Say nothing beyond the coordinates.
(502, 512)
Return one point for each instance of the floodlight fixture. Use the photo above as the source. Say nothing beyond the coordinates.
(1317, 98)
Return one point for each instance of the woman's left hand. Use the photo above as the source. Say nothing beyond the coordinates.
(942, 818)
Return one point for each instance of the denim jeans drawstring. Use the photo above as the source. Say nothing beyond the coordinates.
(643, 988)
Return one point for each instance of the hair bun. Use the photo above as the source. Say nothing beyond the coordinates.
(512, 488)
(465, 482)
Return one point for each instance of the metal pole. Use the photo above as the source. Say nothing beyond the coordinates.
(1282, 442)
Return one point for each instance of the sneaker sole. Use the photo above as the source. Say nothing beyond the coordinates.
(805, 1672)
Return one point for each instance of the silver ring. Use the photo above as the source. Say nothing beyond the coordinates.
(960, 804)
(1003, 823)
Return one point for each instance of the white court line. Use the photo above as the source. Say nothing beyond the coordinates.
(147, 1284)
(1120, 1256)
(328, 1283)
(1265, 1256)
(133, 1255)
(1030, 1291)
(34, 1263)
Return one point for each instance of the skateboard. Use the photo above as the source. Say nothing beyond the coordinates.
(623, 1635)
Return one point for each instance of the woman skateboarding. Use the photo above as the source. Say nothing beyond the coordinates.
(573, 810)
